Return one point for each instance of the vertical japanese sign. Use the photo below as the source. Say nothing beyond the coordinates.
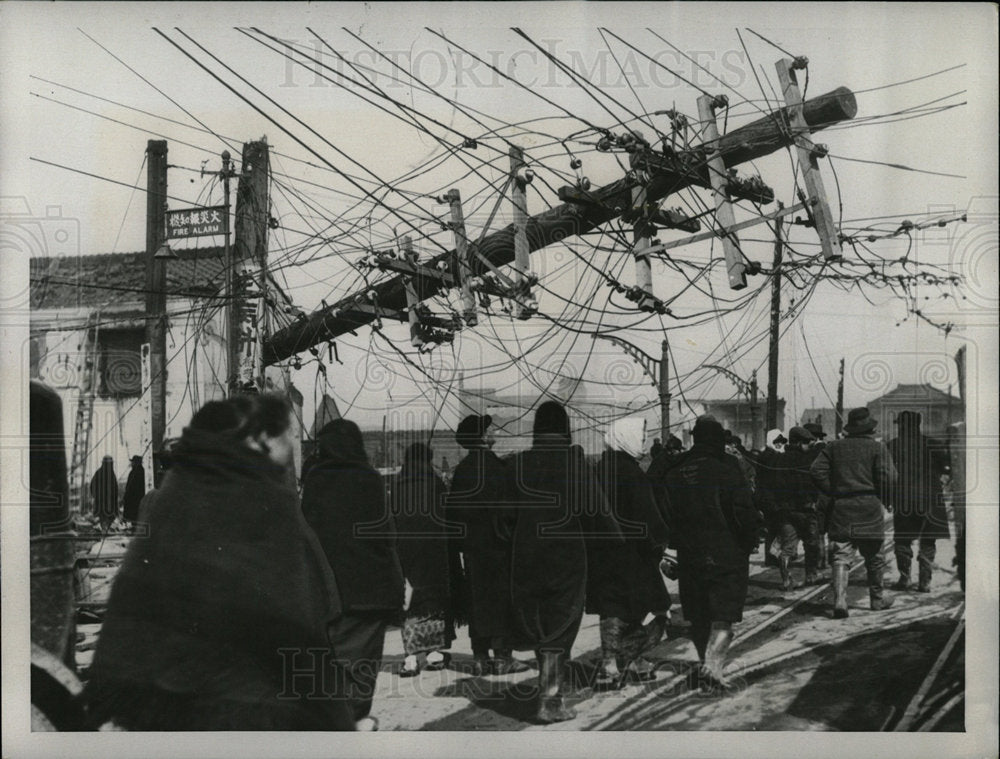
(146, 414)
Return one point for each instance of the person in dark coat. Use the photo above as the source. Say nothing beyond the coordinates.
(822, 499)
(853, 471)
(104, 493)
(797, 508)
(555, 488)
(343, 500)
(135, 489)
(425, 542)
(713, 526)
(768, 466)
(216, 617)
(916, 500)
(624, 583)
(481, 500)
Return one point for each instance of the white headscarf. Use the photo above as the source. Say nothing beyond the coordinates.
(627, 435)
(772, 435)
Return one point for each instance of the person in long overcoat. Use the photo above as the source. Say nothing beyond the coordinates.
(104, 493)
(426, 543)
(854, 471)
(714, 526)
(135, 489)
(766, 497)
(218, 618)
(555, 490)
(916, 500)
(343, 500)
(624, 583)
(481, 500)
(797, 508)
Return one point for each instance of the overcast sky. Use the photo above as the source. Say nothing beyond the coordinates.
(864, 47)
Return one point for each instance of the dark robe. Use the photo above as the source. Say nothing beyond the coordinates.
(210, 611)
(104, 494)
(623, 579)
(481, 500)
(425, 540)
(135, 489)
(557, 494)
(343, 500)
(916, 498)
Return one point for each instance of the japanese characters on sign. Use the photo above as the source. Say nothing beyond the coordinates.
(196, 222)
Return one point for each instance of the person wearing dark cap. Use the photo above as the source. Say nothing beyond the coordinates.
(797, 508)
(766, 496)
(822, 499)
(916, 500)
(555, 489)
(481, 500)
(714, 527)
(854, 471)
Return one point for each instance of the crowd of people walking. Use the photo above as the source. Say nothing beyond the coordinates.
(248, 606)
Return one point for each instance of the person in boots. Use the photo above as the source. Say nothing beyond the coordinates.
(481, 500)
(797, 511)
(714, 527)
(853, 471)
(916, 500)
(766, 493)
(822, 500)
(624, 584)
(555, 487)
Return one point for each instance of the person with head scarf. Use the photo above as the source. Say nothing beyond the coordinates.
(481, 500)
(218, 617)
(556, 490)
(713, 525)
(425, 543)
(104, 493)
(343, 500)
(624, 583)
(853, 472)
(766, 495)
(917, 499)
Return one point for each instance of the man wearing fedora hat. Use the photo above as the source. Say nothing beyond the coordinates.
(853, 471)
(916, 500)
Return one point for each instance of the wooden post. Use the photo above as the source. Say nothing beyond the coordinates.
(772, 355)
(249, 269)
(146, 409)
(463, 269)
(664, 379)
(719, 178)
(525, 305)
(640, 249)
(156, 282)
(754, 438)
(838, 423)
(809, 155)
(412, 301)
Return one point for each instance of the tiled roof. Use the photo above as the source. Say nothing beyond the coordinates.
(120, 278)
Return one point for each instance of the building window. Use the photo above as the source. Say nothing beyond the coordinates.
(120, 363)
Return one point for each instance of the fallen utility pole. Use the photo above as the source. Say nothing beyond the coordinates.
(668, 174)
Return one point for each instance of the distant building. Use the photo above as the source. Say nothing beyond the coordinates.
(96, 305)
(824, 417)
(937, 409)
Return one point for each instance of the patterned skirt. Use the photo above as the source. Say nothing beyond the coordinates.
(425, 633)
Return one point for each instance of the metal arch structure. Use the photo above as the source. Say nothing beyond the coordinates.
(747, 388)
(650, 365)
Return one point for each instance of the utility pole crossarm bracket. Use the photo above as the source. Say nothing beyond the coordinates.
(809, 155)
(717, 174)
(525, 303)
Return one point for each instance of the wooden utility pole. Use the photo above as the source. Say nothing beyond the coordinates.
(249, 266)
(156, 295)
(772, 356)
(838, 424)
(664, 379)
(667, 175)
